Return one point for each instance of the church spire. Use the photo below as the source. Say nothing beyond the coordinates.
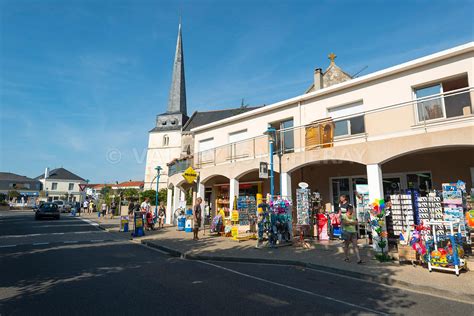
(177, 97)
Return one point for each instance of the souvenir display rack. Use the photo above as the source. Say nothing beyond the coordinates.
(437, 255)
(246, 205)
(303, 208)
(402, 212)
(430, 208)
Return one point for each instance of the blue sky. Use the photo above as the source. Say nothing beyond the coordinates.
(82, 81)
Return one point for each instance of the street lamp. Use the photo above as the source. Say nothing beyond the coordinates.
(158, 169)
(271, 133)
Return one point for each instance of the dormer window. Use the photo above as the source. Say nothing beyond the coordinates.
(163, 123)
(173, 122)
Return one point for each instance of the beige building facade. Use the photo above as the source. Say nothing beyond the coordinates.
(408, 126)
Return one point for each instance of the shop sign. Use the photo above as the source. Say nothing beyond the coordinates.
(190, 175)
(263, 170)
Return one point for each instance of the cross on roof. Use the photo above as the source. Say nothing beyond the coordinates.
(332, 56)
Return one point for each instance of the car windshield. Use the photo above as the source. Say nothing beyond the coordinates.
(49, 207)
(59, 202)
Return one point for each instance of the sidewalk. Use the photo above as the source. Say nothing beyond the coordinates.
(326, 256)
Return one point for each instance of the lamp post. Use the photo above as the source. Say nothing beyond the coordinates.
(158, 169)
(271, 133)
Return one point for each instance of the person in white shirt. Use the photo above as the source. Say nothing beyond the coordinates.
(86, 206)
(145, 206)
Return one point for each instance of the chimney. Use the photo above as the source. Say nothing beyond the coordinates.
(46, 173)
(318, 79)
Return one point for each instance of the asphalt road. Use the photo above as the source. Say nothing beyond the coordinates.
(70, 267)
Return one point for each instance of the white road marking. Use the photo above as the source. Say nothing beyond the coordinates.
(293, 288)
(150, 248)
(73, 225)
(402, 288)
(40, 243)
(7, 246)
(49, 234)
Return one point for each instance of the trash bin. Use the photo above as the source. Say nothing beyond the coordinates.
(139, 229)
(124, 220)
(181, 222)
(188, 226)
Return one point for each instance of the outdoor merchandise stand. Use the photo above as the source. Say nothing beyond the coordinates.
(445, 250)
(303, 211)
(402, 213)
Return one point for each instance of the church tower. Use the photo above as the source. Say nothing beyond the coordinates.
(164, 141)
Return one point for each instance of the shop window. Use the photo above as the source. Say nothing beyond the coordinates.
(71, 186)
(431, 105)
(351, 126)
(285, 141)
(54, 186)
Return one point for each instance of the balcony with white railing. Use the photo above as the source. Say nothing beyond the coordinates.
(451, 109)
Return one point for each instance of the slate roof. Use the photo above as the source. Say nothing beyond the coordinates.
(61, 174)
(14, 177)
(203, 118)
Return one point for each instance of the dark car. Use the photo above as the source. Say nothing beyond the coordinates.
(47, 209)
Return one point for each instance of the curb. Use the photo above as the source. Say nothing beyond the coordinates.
(357, 275)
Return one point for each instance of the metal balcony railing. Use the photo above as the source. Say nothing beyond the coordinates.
(179, 166)
(393, 118)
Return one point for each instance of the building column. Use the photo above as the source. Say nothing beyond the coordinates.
(182, 197)
(201, 189)
(169, 206)
(175, 202)
(375, 182)
(285, 180)
(374, 179)
(233, 192)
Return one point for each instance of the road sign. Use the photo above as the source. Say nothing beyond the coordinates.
(190, 175)
(82, 187)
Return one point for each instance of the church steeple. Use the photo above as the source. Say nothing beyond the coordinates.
(177, 97)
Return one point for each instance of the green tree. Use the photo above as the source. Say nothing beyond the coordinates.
(189, 197)
(130, 194)
(105, 191)
(162, 195)
(151, 194)
(13, 194)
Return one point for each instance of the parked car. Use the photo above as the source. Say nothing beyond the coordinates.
(48, 209)
(61, 205)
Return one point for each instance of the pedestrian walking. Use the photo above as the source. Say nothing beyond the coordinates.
(92, 207)
(103, 209)
(85, 206)
(349, 234)
(161, 215)
(197, 215)
(145, 206)
(131, 206)
(343, 204)
(113, 209)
